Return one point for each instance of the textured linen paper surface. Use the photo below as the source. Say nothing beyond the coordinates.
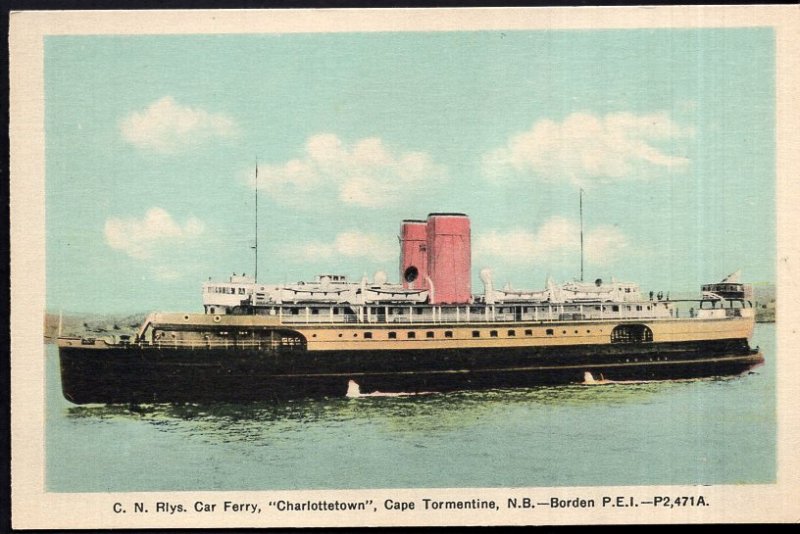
(134, 142)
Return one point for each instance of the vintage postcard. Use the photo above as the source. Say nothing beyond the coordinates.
(404, 267)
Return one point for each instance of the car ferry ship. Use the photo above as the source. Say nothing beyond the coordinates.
(428, 332)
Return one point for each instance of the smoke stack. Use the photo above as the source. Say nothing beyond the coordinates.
(414, 254)
(449, 257)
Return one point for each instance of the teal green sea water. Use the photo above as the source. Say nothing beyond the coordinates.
(714, 431)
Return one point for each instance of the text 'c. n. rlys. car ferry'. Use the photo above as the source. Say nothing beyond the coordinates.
(427, 333)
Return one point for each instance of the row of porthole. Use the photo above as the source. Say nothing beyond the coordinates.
(658, 359)
(412, 334)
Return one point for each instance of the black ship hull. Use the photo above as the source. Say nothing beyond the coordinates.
(134, 374)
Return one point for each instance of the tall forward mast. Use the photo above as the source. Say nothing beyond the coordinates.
(255, 247)
(581, 212)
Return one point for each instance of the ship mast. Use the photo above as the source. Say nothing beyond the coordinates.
(581, 211)
(255, 277)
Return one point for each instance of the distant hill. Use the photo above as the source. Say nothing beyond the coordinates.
(764, 302)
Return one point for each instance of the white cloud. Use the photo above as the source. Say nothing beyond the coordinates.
(366, 173)
(556, 242)
(143, 238)
(166, 126)
(586, 148)
(349, 245)
(605, 245)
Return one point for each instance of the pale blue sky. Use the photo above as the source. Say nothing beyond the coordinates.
(151, 144)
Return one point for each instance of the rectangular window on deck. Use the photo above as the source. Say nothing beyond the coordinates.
(549, 331)
(493, 333)
(392, 335)
(528, 332)
(429, 334)
(512, 333)
(367, 335)
(412, 335)
(476, 333)
(448, 333)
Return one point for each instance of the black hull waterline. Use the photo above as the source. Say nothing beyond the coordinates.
(149, 374)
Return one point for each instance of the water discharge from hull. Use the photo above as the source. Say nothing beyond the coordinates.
(354, 392)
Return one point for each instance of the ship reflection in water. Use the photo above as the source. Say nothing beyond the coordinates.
(422, 414)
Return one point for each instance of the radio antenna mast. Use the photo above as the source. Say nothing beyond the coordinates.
(581, 211)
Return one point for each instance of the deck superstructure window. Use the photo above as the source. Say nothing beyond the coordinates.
(367, 335)
(392, 335)
(476, 333)
(448, 333)
(314, 311)
(631, 333)
(493, 333)
(549, 331)
(429, 335)
(528, 332)
(411, 335)
(512, 333)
